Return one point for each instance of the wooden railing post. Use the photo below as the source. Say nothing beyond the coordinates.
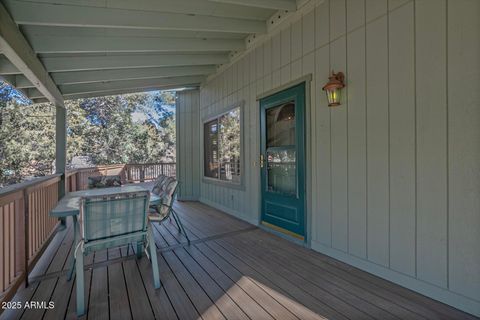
(26, 209)
(61, 149)
(129, 174)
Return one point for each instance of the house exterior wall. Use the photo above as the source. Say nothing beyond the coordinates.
(188, 144)
(395, 170)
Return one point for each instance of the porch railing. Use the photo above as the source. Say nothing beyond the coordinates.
(150, 171)
(78, 179)
(26, 227)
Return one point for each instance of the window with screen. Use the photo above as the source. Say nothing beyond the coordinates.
(222, 147)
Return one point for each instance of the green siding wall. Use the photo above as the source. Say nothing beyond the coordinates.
(188, 144)
(394, 171)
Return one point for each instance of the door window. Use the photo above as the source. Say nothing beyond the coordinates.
(281, 153)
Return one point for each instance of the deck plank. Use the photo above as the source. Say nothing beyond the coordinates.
(118, 295)
(61, 297)
(114, 253)
(46, 287)
(25, 294)
(407, 299)
(311, 282)
(320, 275)
(223, 301)
(179, 299)
(159, 300)
(250, 285)
(236, 293)
(230, 271)
(71, 313)
(279, 287)
(169, 238)
(204, 305)
(137, 295)
(98, 305)
(200, 224)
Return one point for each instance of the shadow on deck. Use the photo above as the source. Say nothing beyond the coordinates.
(231, 270)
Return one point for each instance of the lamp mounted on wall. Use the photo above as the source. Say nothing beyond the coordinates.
(333, 88)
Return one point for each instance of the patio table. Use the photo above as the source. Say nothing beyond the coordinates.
(69, 206)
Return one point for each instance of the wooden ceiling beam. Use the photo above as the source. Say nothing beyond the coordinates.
(124, 91)
(19, 81)
(288, 5)
(101, 62)
(130, 84)
(72, 44)
(62, 78)
(32, 13)
(16, 48)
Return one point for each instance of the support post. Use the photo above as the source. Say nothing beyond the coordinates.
(61, 149)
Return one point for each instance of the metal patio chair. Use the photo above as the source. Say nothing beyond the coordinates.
(166, 188)
(112, 221)
(159, 184)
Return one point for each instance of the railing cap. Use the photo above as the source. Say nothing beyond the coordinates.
(26, 184)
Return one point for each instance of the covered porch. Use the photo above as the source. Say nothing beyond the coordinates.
(363, 203)
(231, 270)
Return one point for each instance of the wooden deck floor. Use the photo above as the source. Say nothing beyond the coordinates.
(230, 271)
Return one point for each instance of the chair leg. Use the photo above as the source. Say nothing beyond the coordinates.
(153, 258)
(139, 249)
(80, 285)
(71, 270)
(181, 228)
(176, 219)
(76, 236)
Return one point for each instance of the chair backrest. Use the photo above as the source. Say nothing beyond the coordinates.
(161, 183)
(158, 185)
(114, 215)
(98, 182)
(168, 194)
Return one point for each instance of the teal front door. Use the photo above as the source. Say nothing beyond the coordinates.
(282, 161)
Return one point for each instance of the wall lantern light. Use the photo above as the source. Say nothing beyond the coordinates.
(333, 88)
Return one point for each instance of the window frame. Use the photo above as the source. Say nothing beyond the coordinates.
(217, 115)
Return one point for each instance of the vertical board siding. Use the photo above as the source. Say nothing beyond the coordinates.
(463, 146)
(297, 45)
(377, 142)
(355, 14)
(188, 144)
(322, 24)
(308, 32)
(339, 154)
(395, 169)
(357, 151)
(337, 19)
(431, 95)
(402, 139)
(375, 9)
(286, 47)
(323, 210)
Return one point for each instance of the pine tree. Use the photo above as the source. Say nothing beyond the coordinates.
(104, 128)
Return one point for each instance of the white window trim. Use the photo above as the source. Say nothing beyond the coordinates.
(210, 117)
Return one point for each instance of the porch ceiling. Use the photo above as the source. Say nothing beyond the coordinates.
(85, 48)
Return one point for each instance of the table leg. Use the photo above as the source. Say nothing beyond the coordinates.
(72, 253)
(63, 224)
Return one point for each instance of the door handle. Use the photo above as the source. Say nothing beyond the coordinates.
(262, 160)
